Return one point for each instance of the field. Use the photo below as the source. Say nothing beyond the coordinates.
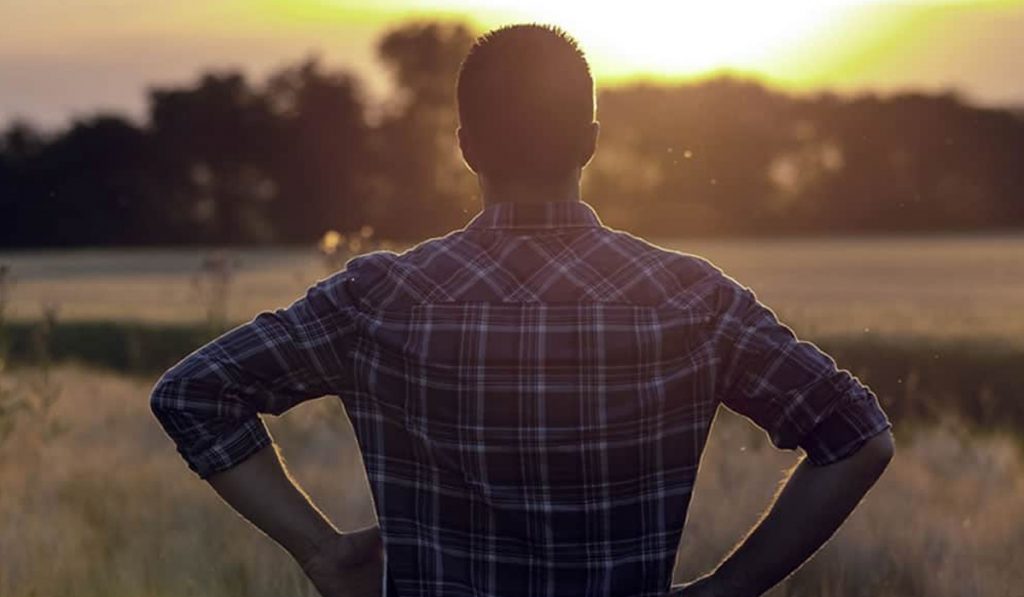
(941, 286)
(95, 502)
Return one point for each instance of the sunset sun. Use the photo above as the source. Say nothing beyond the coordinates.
(796, 43)
(675, 39)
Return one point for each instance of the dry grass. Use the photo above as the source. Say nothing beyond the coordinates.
(941, 286)
(107, 508)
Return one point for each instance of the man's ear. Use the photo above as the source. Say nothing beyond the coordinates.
(468, 151)
(590, 143)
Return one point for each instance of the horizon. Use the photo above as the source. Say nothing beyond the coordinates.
(107, 64)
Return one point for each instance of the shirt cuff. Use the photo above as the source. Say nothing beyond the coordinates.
(843, 432)
(230, 447)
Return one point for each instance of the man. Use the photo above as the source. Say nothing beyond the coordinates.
(531, 393)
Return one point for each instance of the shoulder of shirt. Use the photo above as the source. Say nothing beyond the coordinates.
(698, 281)
(685, 280)
(372, 277)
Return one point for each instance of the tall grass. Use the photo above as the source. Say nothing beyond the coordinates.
(107, 508)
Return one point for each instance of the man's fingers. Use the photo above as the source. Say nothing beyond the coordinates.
(363, 546)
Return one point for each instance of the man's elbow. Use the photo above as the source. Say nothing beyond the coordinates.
(878, 451)
(165, 398)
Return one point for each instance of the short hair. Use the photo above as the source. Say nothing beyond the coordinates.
(526, 99)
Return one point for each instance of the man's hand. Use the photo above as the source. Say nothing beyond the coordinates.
(339, 564)
(347, 564)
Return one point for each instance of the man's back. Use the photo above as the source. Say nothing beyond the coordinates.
(532, 395)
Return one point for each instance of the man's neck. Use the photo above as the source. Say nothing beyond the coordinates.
(530, 192)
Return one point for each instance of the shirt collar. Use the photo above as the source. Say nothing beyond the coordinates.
(533, 216)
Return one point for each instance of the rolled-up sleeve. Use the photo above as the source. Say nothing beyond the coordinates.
(789, 387)
(210, 402)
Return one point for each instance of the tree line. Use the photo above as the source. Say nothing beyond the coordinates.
(226, 160)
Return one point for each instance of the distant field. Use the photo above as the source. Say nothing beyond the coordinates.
(936, 286)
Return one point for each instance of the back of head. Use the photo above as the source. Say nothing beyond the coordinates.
(526, 104)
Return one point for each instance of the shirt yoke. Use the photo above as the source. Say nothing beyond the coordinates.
(592, 265)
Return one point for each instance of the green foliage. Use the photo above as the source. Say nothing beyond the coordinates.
(975, 381)
(138, 348)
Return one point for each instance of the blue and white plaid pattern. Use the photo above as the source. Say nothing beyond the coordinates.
(532, 395)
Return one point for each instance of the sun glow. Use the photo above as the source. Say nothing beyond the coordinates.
(657, 38)
(787, 41)
(798, 44)
(679, 39)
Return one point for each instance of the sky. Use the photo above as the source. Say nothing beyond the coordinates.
(61, 59)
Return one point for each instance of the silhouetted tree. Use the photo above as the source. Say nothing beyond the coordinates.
(216, 140)
(86, 186)
(692, 158)
(421, 186)
(320, 151)
(20, 146)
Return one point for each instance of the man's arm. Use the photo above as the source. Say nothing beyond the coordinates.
(211, 403)
(799, 396)
(338, 564)
(807, 511)
(262, 491)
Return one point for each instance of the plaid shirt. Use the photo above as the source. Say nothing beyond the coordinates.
(531, 394)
